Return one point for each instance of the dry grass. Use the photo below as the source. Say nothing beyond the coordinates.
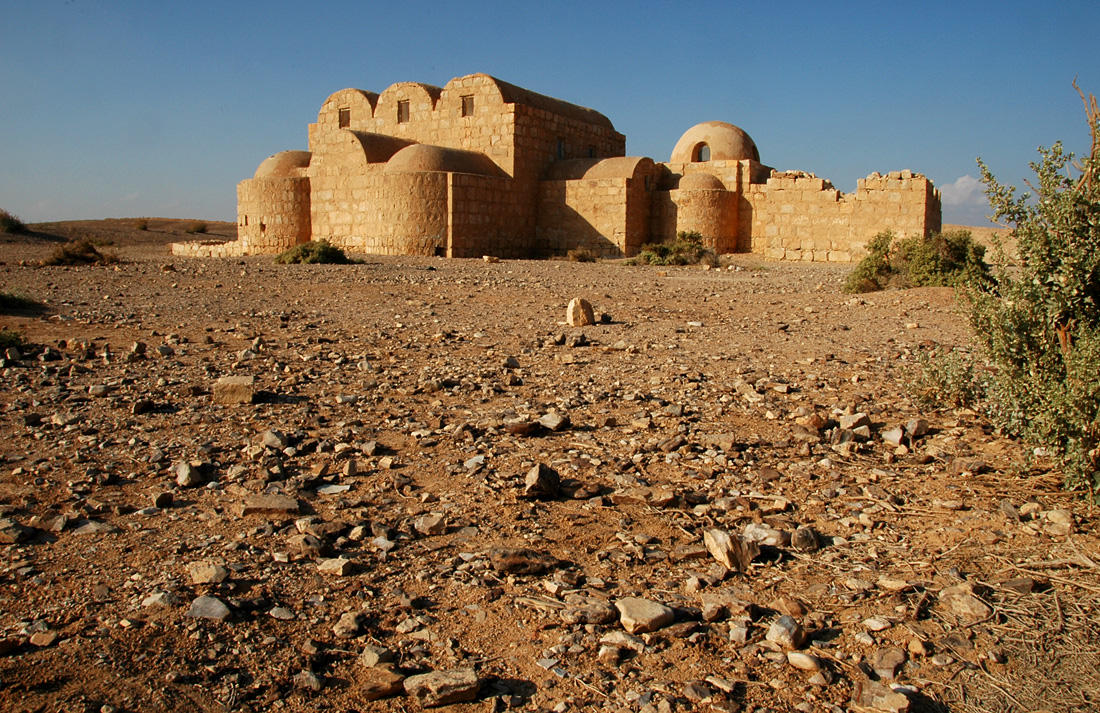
(79, 252)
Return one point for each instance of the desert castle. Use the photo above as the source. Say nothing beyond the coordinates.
(483, 167)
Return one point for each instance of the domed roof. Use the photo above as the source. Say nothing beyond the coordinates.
(592, 168)
(701, 182)
(282, 164)
(425, 157)
(724, 142)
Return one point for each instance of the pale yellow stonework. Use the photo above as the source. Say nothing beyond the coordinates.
(482, 167)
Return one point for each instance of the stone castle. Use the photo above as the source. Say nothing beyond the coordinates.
(483, 167)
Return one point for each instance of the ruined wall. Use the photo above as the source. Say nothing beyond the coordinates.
(794, 216)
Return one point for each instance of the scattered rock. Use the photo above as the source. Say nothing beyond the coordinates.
(579, 313)
(514, 560)
(268, 504)
(235, 390)
(542, 483)
(441, 688)
(730, 550)
(208, 608)
(786, 633)
(207, 572)
(639, 615)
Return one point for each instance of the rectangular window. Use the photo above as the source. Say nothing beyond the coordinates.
(561, 149)
(468, 105)
(591, 152)
(345, 117)
(403, 111)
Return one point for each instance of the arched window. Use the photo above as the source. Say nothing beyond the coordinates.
(700, 153)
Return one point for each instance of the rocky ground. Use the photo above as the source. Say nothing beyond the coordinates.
(421, 488)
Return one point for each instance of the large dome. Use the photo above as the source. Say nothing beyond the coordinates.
(714, 141)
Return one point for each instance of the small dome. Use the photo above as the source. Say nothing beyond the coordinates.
(425, 157)
(282, 164)
(714, 141)
(701, 182)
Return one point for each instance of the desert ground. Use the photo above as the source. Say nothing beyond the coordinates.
(436, 493)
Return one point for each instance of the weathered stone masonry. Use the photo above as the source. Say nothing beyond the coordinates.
(482, 167)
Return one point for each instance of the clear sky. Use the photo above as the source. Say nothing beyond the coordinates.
(141, 108)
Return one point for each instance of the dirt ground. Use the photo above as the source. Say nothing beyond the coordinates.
(737, 447)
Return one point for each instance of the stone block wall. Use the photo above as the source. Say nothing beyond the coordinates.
(380, 213)
(795, 216)
(484, 215)
(585, 213)
(273, 214)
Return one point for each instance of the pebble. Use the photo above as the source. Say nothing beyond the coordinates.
(786, 632)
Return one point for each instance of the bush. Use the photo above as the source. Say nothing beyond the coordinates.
(951, 258)
(1039, 323)
(686, 249)
(10, 338)
(141, 223)
(581, 255)
(197, 228)
(10, 224)
(946, 379)
(14, 302)
(312, 253)
(79, 252)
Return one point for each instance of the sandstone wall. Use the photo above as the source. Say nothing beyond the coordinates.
(485, 215)
(273, 214)
(583, 213)
(800, 217)
(379, 213)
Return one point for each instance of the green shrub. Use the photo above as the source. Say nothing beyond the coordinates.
(946, 379)
(951, 258)
(10, 338)
(141, 223)
(581, 255)
(686, 249)
(79, 252)
(314, 252)
(10, 224)
(1039, 322)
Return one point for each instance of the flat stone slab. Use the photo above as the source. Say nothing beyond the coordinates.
(235, 389)
(271, 503)
(441, 688)
(639, 616)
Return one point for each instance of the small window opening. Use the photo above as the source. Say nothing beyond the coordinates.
(591, 152)
(701, 153)
(345, 117)
(403, 111)
(468, 105)
(246, 221)
(561, 148)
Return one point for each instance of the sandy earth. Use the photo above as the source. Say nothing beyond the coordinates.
(396, 414)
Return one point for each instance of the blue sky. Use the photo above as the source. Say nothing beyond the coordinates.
(119, 109)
